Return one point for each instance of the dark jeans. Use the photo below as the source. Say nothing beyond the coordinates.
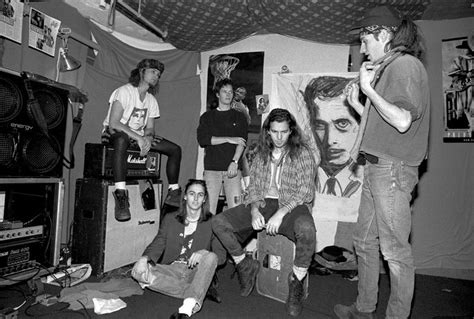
(234, 226)
(121, 142)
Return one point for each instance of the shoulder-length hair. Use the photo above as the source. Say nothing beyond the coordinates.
(205, 210)
(135, 78)
(407, 35)
(295, 140)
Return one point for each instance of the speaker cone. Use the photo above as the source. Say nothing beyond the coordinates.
(40, 154)
(11, 100)
(51, 106)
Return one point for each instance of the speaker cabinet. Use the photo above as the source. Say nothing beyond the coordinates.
(98, 238)
(24, 150)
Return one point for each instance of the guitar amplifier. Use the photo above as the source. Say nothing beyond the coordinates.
(98, 163)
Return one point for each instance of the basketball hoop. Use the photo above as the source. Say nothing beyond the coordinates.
(222, 67)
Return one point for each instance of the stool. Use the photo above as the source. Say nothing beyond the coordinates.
(275, 255)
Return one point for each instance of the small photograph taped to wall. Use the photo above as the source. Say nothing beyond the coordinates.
(262, 103)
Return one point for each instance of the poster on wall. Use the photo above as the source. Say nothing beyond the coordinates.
(246, 72)
(458, 91)
(43, 31)
(11, 19)
(330, 125)
(262, 103)
(319, 105)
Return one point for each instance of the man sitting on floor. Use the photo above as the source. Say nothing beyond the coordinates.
(183, 246)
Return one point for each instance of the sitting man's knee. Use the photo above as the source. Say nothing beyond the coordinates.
(211, 257)
(305, 225)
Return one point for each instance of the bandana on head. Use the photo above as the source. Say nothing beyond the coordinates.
(375, 28)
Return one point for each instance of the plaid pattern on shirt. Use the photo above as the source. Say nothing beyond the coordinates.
(297, 180)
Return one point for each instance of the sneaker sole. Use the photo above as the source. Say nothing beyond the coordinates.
(254, 278)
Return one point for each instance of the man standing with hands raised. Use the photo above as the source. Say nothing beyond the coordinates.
(393, 140)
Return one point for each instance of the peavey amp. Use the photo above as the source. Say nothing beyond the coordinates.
(98, 163)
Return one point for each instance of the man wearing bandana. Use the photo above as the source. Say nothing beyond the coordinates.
(392, 142)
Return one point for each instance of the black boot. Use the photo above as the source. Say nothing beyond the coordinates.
(122, 206)
(212, 293)
(247, 271)
(294, 303)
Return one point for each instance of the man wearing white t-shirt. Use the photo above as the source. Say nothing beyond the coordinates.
(130, 122)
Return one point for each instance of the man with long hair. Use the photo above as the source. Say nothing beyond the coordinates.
(281, 192)
(130, 123)
(393, 143)
(184, 245)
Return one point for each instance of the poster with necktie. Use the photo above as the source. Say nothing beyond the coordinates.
(319, 104)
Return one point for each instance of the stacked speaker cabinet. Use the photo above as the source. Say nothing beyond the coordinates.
(102, 241)
(24, 148)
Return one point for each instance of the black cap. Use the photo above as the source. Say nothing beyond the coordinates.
(378, 16)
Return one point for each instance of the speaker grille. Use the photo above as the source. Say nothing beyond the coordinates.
(40, 154)
(32, 135)
(12, 100)
(7, 149)
(51, 106)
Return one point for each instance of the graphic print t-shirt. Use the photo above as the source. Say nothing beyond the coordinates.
(135, 112)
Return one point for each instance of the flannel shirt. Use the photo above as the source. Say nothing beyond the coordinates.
(297, 180)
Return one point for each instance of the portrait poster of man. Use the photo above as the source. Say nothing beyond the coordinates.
(457, 74)
(11, 19)
(319, 104)
(246, 72)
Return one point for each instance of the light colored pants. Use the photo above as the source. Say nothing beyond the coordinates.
(232, 188)
(384, 223)
(177, 280)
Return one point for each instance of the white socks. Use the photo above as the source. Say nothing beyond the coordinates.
(300, 272)
(173, 186)
(188, 306)
(238, 259)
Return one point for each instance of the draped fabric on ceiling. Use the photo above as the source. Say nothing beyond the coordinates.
(204, 25)
(178, 96)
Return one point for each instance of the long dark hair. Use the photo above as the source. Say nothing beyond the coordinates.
(205, 211)
(295, 140)
(407, 35)
(135, 78)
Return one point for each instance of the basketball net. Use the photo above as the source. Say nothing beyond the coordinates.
(223, 67)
